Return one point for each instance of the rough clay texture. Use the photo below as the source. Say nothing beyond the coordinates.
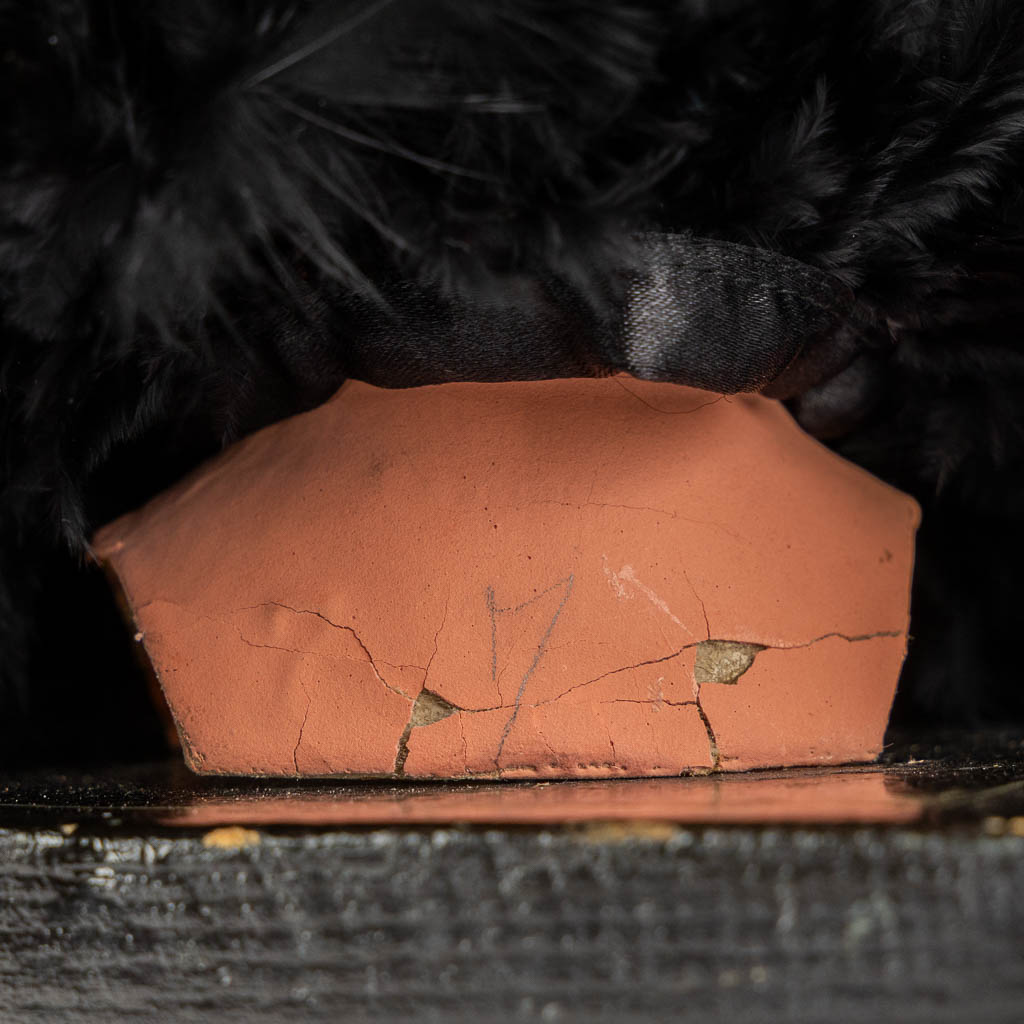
(517, 581)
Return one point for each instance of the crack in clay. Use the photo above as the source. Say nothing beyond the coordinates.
(696, 702)
(751, 651)
(712, 740)
(465, 745)
(290, 650)
(391, 664)
(302, 729)
(700, 601)
(551, 749)
(334, 657)
(725, 661)
(427, 709)
(616, 671)
(437, 637)
(835, 636)
(336, 625)
(651, 702)
(271, 647)
(494, 610)
(667, 412)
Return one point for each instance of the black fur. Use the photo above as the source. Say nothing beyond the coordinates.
(194, 194)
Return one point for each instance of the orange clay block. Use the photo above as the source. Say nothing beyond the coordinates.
(583, 578)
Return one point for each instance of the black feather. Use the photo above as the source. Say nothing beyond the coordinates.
(195, 197)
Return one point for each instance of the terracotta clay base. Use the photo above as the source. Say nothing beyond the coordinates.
(590, 578)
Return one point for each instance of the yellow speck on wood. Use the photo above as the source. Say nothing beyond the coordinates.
(997, 826)
(231, 837)
(622, 831)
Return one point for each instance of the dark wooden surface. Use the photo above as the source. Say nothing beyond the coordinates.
(116, 917)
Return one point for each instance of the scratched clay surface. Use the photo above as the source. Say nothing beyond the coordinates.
(551, 579)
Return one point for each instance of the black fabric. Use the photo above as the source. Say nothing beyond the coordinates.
(721, 316)
(710, 314)
(537, 332)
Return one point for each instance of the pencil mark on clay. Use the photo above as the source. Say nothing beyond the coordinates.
(494, 612)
